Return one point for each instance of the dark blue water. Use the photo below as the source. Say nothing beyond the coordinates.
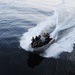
(16, 61)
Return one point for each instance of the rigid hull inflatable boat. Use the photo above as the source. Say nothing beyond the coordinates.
(38, 46)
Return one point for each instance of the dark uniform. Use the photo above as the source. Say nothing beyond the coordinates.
(37, 42)
(47, 38)
(33, 40)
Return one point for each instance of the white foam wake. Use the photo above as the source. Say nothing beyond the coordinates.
(61, 25)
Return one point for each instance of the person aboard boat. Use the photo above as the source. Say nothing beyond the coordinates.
(39, 37)
(44, 35)
(36, 38)
(33, 40)
(37, 41)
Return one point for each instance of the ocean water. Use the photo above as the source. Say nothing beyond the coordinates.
(18, 18)
(60, 25)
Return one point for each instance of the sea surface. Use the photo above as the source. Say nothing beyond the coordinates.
(16, 17)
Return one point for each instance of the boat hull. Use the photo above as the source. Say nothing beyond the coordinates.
(41, 49)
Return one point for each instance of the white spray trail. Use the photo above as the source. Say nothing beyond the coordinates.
(69, 22)
(63, 18)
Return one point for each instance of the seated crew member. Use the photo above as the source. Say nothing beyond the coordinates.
(47, 38)
(39, 37)
(36, 38)
(35, 44)
(44, 35)
(36, 41)
(47, 34)
(33, 40)
(39, 41)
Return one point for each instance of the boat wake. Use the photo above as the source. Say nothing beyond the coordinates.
(61, 26)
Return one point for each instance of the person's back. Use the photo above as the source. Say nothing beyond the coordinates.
(39, 41)
(47, 38)
(44, 35)
(39, 37)
(48, 34)
(35, 44)
(36, 38)
(33, 39)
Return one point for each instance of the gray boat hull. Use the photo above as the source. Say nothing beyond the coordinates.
(41, 49)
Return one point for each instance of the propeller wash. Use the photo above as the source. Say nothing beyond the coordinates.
(61, 26)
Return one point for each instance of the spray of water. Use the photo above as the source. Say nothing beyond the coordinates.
(61, 26)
